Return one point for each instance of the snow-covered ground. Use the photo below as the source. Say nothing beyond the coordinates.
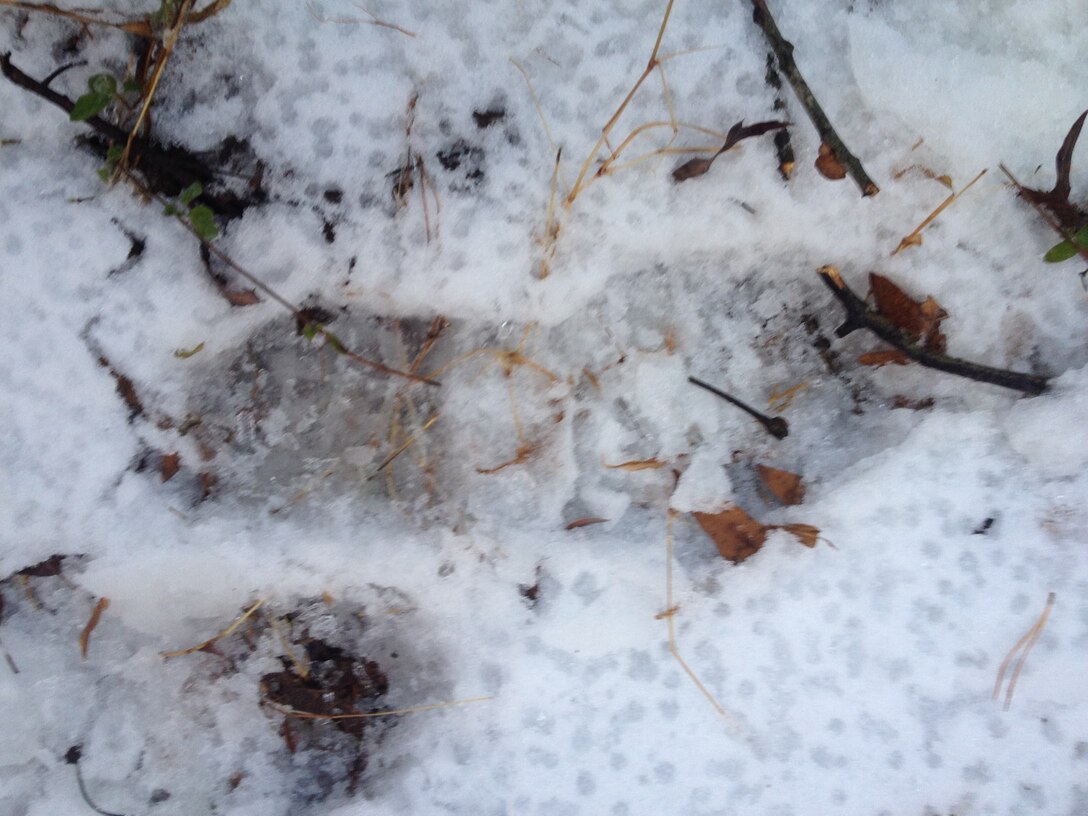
(856, 677)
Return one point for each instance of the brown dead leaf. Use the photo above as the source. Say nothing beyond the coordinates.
(787, 487)
(693, 168)
(241, 297)
(920, 320)
(882, 358)
(169, 465)
(805, 533)
(584, 522)
(828, 166)
(737, 535)
(92, 622)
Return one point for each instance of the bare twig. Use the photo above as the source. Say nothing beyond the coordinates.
(783, 51)
(775, 426)
(860, 316)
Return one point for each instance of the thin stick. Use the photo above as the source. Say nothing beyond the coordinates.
(308, 715)
(222, 634)
(1027, 641)
(783, 51)
(859, 316)
(7, 658)
(775, 426)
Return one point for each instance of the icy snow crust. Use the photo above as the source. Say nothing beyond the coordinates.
(857, 678)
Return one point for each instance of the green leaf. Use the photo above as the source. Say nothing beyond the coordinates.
(113, 155)
(187, 195)
(185, 354)
(103, 173)
(102, 85)
(203, 222)
(131, 86)
(1081, 238)
(310, 330)
(88, 105)
(1060, 252)
(170, 209)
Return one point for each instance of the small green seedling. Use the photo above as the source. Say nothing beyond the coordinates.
(101, 91)
(1067, 249)
(200, 218)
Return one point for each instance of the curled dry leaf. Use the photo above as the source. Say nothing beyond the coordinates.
(828, 166)
(787, 487)
(92, 622)
(584, 522)
(698, 167)
(693, 168)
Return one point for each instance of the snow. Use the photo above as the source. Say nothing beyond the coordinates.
(857, 677)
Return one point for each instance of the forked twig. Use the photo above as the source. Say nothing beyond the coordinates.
(783, 51)
(1026, 642)
(860, 316)
(1050, 221)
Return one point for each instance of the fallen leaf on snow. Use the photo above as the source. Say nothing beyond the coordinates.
(787, 487)
(737, 535)
(828, 166)
(169, 466)
(920, 320)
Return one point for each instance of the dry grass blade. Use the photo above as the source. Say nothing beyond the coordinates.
(403, 446)
(1026, 642)
(670, 612)
(915, 237)
(149, 91)
(374, 20)
(219, 635)
(307, 715)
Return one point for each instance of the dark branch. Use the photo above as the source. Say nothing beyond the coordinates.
(783, 50)
(860, 316)
(775, 426)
